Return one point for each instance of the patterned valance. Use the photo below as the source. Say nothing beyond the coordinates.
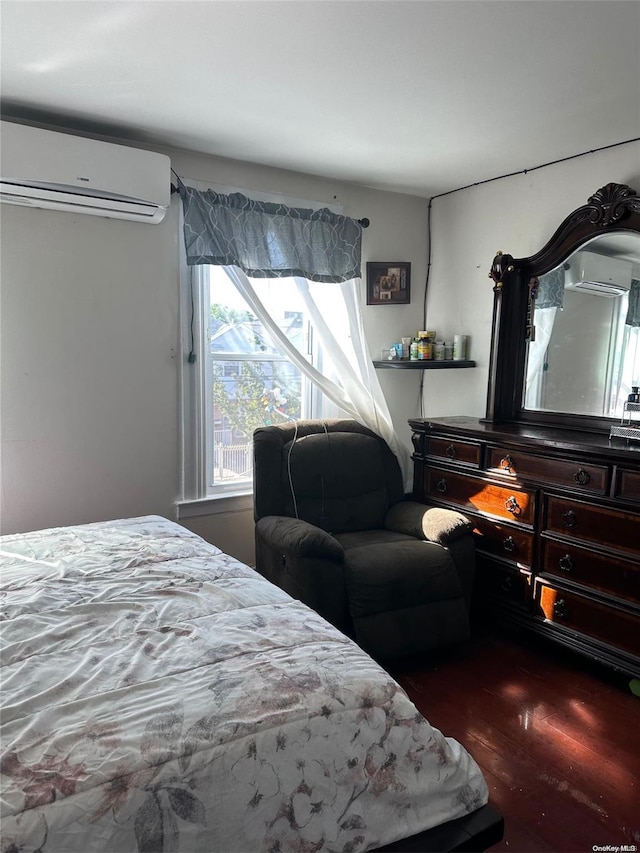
(633, 314)
(551, 289)
(269, 240)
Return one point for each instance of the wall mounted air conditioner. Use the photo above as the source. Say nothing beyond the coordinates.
(43, 168)
(599, 274)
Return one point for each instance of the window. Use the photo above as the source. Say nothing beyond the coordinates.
(266, 351)
(239, 379)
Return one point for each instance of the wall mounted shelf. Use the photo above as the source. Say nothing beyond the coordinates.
(423, 364)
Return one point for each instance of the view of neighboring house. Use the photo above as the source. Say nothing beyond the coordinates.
(252, 385)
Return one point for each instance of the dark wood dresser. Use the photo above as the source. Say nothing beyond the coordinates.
(557, 524)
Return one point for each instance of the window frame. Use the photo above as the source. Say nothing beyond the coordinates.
(198, 482)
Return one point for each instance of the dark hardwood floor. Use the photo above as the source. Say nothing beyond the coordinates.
(557, 738)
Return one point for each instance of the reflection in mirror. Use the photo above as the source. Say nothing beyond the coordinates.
(585, 355)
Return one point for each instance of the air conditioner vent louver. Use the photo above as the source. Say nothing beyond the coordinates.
(600, 288)
(58, 171)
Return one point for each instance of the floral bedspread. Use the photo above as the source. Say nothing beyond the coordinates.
(159, 695)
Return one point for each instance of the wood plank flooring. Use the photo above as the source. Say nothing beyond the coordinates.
(557, 738)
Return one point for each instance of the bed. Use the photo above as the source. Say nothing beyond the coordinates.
(159, 695)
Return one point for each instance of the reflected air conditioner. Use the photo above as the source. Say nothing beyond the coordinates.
(600, 275)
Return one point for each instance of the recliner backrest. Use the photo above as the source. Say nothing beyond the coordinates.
(336, 474)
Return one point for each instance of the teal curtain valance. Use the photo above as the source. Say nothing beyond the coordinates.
(269, 240)
(633, 314)
(551, 289)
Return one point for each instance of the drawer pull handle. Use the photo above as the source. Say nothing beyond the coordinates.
(450, 452)
(560, 609)
(507, 584)
(509, 544)
(506, 463)
(582, 477)
(569, 518)
(512, 506)
(566, 563)
(441, 486)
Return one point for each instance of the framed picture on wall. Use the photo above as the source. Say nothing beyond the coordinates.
(388, 283)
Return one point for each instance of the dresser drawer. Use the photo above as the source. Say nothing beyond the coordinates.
(474, 494)
(577, 613)
(507, 586)
(604, 573)
(467, 452)
(628, 486)
(609, 528)
(591, 478)
(500, 540)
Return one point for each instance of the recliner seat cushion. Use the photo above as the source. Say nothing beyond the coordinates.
(396, 574)
(358, 538)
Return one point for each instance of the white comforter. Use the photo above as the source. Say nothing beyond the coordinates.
(158, 695)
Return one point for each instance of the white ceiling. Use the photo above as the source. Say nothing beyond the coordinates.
(421, 96)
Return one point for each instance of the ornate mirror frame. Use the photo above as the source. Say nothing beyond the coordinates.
(612, 209)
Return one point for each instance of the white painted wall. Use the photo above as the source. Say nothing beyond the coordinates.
(90, 351)
(517, 215)
(89, 368)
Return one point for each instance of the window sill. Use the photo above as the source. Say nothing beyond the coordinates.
(241, 502)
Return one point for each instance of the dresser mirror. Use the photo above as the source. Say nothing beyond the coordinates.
(584, 356)
(566, 323)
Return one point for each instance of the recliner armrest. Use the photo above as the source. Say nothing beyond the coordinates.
(299, 538)
(435, 524)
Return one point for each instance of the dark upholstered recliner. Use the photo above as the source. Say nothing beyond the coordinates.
(334, 530)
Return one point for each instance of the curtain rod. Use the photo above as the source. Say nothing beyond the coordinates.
(364, 222)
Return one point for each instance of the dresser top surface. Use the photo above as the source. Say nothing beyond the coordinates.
(534, 437)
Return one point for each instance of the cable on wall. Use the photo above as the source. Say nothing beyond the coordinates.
(180, 184)
(191, 358)
(424, 302)
(535, 168)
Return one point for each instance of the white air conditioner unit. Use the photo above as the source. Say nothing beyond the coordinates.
(43, 168)
(598, 274)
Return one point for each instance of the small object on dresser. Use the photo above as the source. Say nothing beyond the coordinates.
(629, 427)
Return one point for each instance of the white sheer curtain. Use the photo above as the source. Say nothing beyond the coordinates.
(349, 380)
(544, 319)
